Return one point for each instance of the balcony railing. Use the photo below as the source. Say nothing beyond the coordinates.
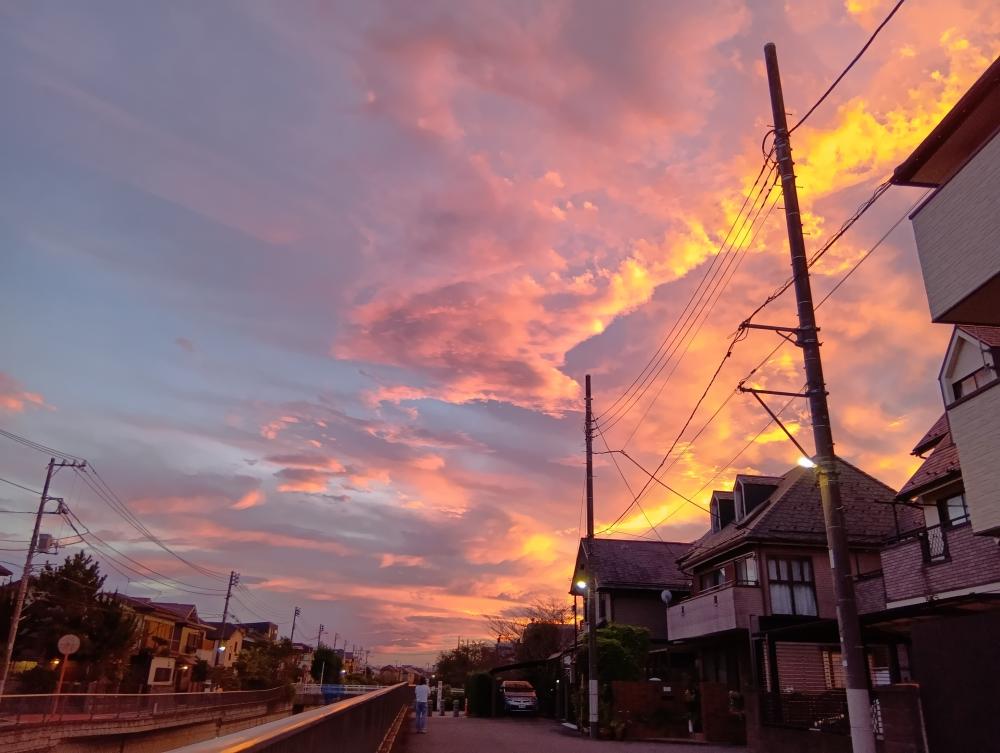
(716, 610)
(933, 543)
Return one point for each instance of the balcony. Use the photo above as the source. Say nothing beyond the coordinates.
(938, 562)
(956, 232)
(726, 607)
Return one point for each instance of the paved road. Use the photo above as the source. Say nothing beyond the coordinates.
(447, 734)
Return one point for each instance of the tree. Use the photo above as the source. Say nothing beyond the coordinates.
(510, 626)
(67, 600)
(622, 651)
(454, 666)
(266, 665)
(326, 665)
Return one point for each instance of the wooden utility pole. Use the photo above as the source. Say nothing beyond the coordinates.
(319, 635)
(234, 579)
(591, 582)
(22, 588)
(851, 646)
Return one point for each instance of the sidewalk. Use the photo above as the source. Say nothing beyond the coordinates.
(448, 734)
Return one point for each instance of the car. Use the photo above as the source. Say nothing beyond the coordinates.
(518, 696)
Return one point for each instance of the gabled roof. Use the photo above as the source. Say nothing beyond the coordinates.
(934, 435)
(971, 123)
(793, 514)
(617, 563)
(989, 336)
(940, 466)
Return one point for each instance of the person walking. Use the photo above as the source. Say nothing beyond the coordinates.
(422, 695)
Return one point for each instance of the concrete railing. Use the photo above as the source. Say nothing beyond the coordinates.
(83, 707)
(364, 724)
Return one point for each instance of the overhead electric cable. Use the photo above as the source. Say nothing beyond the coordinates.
(850, 65)
(739, 220)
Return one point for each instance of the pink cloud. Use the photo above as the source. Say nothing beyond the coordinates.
(14, 398)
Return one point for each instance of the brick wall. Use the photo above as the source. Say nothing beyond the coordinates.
(870, 593)
(974, 561)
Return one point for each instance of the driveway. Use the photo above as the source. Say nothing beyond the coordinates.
(448, 734)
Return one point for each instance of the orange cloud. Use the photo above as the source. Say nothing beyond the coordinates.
(14, 399)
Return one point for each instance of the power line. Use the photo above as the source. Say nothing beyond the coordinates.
(38, 446)
(19, 486)
(694, 335)
(692, 303)
(850, 65)
(625, 481)
(104, 491)
(149, 574)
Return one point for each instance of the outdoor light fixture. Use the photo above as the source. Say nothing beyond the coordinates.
(806, 462)
(222, 648)
(582, 585)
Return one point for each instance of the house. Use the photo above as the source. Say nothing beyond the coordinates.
(222, 644)
(942, 597)
(632, 579)
(171, 635)
(956, 230)
(762, 614)
(259, 632)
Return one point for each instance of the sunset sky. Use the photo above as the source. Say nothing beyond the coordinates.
(315, 285)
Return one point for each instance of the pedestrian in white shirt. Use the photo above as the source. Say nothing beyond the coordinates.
(422, 695)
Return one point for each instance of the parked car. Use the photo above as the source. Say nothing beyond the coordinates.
(518, 695)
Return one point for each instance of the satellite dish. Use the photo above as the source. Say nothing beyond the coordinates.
(666, 596)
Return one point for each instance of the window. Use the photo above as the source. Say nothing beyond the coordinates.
(746, 571)
(162, 674)
(952, 510)
(791, 586)
(833, 669)
(969, 384)
(712, 579)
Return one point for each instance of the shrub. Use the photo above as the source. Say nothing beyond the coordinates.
(479, 691)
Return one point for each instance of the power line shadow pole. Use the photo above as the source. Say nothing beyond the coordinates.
(851, 646)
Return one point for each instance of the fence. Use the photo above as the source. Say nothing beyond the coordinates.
(82, 707)
(364, 724)
(823, 712)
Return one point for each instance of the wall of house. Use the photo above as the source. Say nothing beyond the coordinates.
(826, 602)
(975, 428)
(641, 608)
(956, 232)
(974, 561)
(155, 628)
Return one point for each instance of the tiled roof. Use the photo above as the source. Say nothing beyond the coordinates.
(986, 335)
(617, 563)
(181, 610)
(940, 465)
(933, 435)
(794, 514)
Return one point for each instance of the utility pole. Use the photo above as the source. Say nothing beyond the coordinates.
(335, 637)
(851, 646)
(319, 635)
(234, 579)
(295, 616)
(22, 589)
(591, 581)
